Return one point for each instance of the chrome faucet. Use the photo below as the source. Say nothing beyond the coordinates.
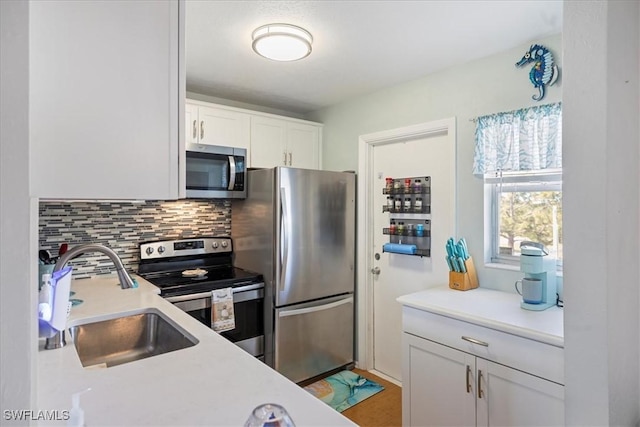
(126, 282)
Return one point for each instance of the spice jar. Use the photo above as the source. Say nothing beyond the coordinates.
(407, 185)
(389, 203)
(409, 229)
(398, 204)
(417, 186)
(407, 204)
(401, 228)
(418, 204)
(392, 227)
(389, 185)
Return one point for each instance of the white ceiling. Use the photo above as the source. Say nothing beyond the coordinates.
(359, 46)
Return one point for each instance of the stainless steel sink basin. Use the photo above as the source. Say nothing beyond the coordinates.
(128, 338)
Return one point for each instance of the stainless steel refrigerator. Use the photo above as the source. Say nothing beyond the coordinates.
(297, 228)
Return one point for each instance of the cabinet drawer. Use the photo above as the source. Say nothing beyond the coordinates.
(536, 358)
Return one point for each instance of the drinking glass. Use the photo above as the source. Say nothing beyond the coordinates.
(269, 415)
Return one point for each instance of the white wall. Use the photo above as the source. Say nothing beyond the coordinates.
(18, 217)
(485, 86)
(601, 214)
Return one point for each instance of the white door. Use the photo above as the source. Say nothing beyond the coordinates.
(406, 153)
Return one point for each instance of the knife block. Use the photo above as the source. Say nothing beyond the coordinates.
(464, 281)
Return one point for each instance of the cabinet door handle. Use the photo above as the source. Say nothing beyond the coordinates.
(480, 393)
(195, 129)
(475, 341)
(201, 129)
(290, 157)
(468, 379)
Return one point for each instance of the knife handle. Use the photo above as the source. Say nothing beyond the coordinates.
(463, 268)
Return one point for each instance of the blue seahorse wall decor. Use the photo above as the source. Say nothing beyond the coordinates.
(544, 71)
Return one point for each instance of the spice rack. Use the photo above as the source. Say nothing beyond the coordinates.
(409, 208)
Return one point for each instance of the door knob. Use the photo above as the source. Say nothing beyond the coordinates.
(375, 270)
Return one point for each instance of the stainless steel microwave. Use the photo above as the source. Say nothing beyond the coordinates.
(215, 172)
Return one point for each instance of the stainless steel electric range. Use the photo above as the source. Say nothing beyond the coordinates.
(187, 271)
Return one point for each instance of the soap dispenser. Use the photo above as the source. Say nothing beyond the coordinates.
(76, 415)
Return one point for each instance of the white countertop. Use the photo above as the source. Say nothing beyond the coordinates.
(492, 309)
(211, 383)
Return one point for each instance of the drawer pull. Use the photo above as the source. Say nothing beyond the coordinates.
(475, 341)
(468, 379)
(480, 384)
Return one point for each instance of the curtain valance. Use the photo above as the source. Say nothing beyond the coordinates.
(529, 139)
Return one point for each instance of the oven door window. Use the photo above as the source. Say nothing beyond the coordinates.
(249, 317)
(207, 171)
(249, 321)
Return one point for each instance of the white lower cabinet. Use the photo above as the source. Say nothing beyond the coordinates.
(467, 386)
(437, 388)
(509, 397)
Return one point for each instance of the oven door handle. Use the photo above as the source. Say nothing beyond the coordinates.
(180, 298)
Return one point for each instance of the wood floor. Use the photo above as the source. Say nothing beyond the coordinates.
(383, 409)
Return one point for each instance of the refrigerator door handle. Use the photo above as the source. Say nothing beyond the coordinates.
(286, 313)
(284, 236)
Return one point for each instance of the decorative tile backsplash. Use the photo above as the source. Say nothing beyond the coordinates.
(123, 225)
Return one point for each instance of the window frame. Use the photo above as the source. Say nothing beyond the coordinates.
(544, 180)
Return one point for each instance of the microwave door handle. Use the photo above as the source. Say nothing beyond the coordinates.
(232, 173)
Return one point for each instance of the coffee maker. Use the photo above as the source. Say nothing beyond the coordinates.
(537, 265)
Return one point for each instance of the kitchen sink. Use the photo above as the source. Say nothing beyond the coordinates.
(128, 338)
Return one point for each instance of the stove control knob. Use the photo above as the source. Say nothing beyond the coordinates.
(224, 243)
(161, 249)
(149, 250)
(215, 245)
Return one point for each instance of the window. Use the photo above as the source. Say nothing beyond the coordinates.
(525, 207)
(519, 156)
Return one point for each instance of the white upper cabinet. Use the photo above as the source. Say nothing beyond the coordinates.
(303, 145)
(216, 126)
(282, 142)
(270, 140)
(105, 94)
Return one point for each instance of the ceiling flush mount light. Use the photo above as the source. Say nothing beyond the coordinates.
(282, 42)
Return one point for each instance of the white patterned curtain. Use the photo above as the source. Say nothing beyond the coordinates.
(529, 139)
